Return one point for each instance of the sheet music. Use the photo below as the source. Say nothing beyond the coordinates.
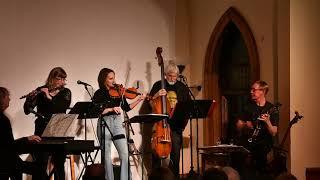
(62, 125)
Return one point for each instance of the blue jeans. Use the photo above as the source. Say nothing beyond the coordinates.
(114, 123)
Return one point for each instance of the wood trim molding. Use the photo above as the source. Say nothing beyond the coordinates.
(211, 76)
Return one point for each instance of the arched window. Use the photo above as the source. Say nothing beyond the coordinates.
(231, 65)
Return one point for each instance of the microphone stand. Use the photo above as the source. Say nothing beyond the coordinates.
(85, 118)
(87, 155)
(86, 87)
(129, 140)
(196, 108)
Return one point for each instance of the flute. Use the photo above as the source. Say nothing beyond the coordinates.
(36, 92)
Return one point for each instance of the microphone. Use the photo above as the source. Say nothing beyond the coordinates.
(83, 83)
(199, 88)
(183, 79)
(181, 76)
(196, 87)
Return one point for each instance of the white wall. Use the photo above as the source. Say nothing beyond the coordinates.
(83, 36)
(304, 84)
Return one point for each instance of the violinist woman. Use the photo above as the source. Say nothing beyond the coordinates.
(111, 115)
(51, 98)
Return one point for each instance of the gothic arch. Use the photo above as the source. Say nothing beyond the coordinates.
(211, 76)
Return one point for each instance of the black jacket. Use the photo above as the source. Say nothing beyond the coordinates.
(10, 157)
(182, 93)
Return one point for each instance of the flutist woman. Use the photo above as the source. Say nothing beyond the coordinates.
(51, 98)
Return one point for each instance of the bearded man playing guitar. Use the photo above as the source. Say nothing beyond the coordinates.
(257, 126)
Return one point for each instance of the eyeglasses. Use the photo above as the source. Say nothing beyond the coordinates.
(61, 79)
(254, 89)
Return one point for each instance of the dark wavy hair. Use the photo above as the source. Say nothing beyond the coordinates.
(102, 77)
(3, 93)
(55, 73)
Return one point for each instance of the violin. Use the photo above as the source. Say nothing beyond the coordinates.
(118, 91)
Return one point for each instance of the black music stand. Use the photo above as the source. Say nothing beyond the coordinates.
(147, 118)
(204, 107)
(86, 110)
(144, 119)
(195, 109)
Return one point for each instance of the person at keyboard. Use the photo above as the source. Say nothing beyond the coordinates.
(11, 165)
(51, 98)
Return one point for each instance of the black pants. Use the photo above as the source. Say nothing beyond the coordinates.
(259, 155)
(15, 172)
(41, 161)
(250, 166)
(41, 158)
(176, 140)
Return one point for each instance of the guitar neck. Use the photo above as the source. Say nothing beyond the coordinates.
(292, 122)
(285, 137)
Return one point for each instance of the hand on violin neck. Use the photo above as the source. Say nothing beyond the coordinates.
(115, 85)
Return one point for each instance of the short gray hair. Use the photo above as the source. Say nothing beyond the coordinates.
(171, 67)
(263, 85)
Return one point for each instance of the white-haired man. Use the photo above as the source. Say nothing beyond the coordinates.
(175, 91)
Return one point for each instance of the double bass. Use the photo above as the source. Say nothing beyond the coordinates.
(161, 133)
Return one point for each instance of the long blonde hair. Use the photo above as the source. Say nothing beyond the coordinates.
(55, 73)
